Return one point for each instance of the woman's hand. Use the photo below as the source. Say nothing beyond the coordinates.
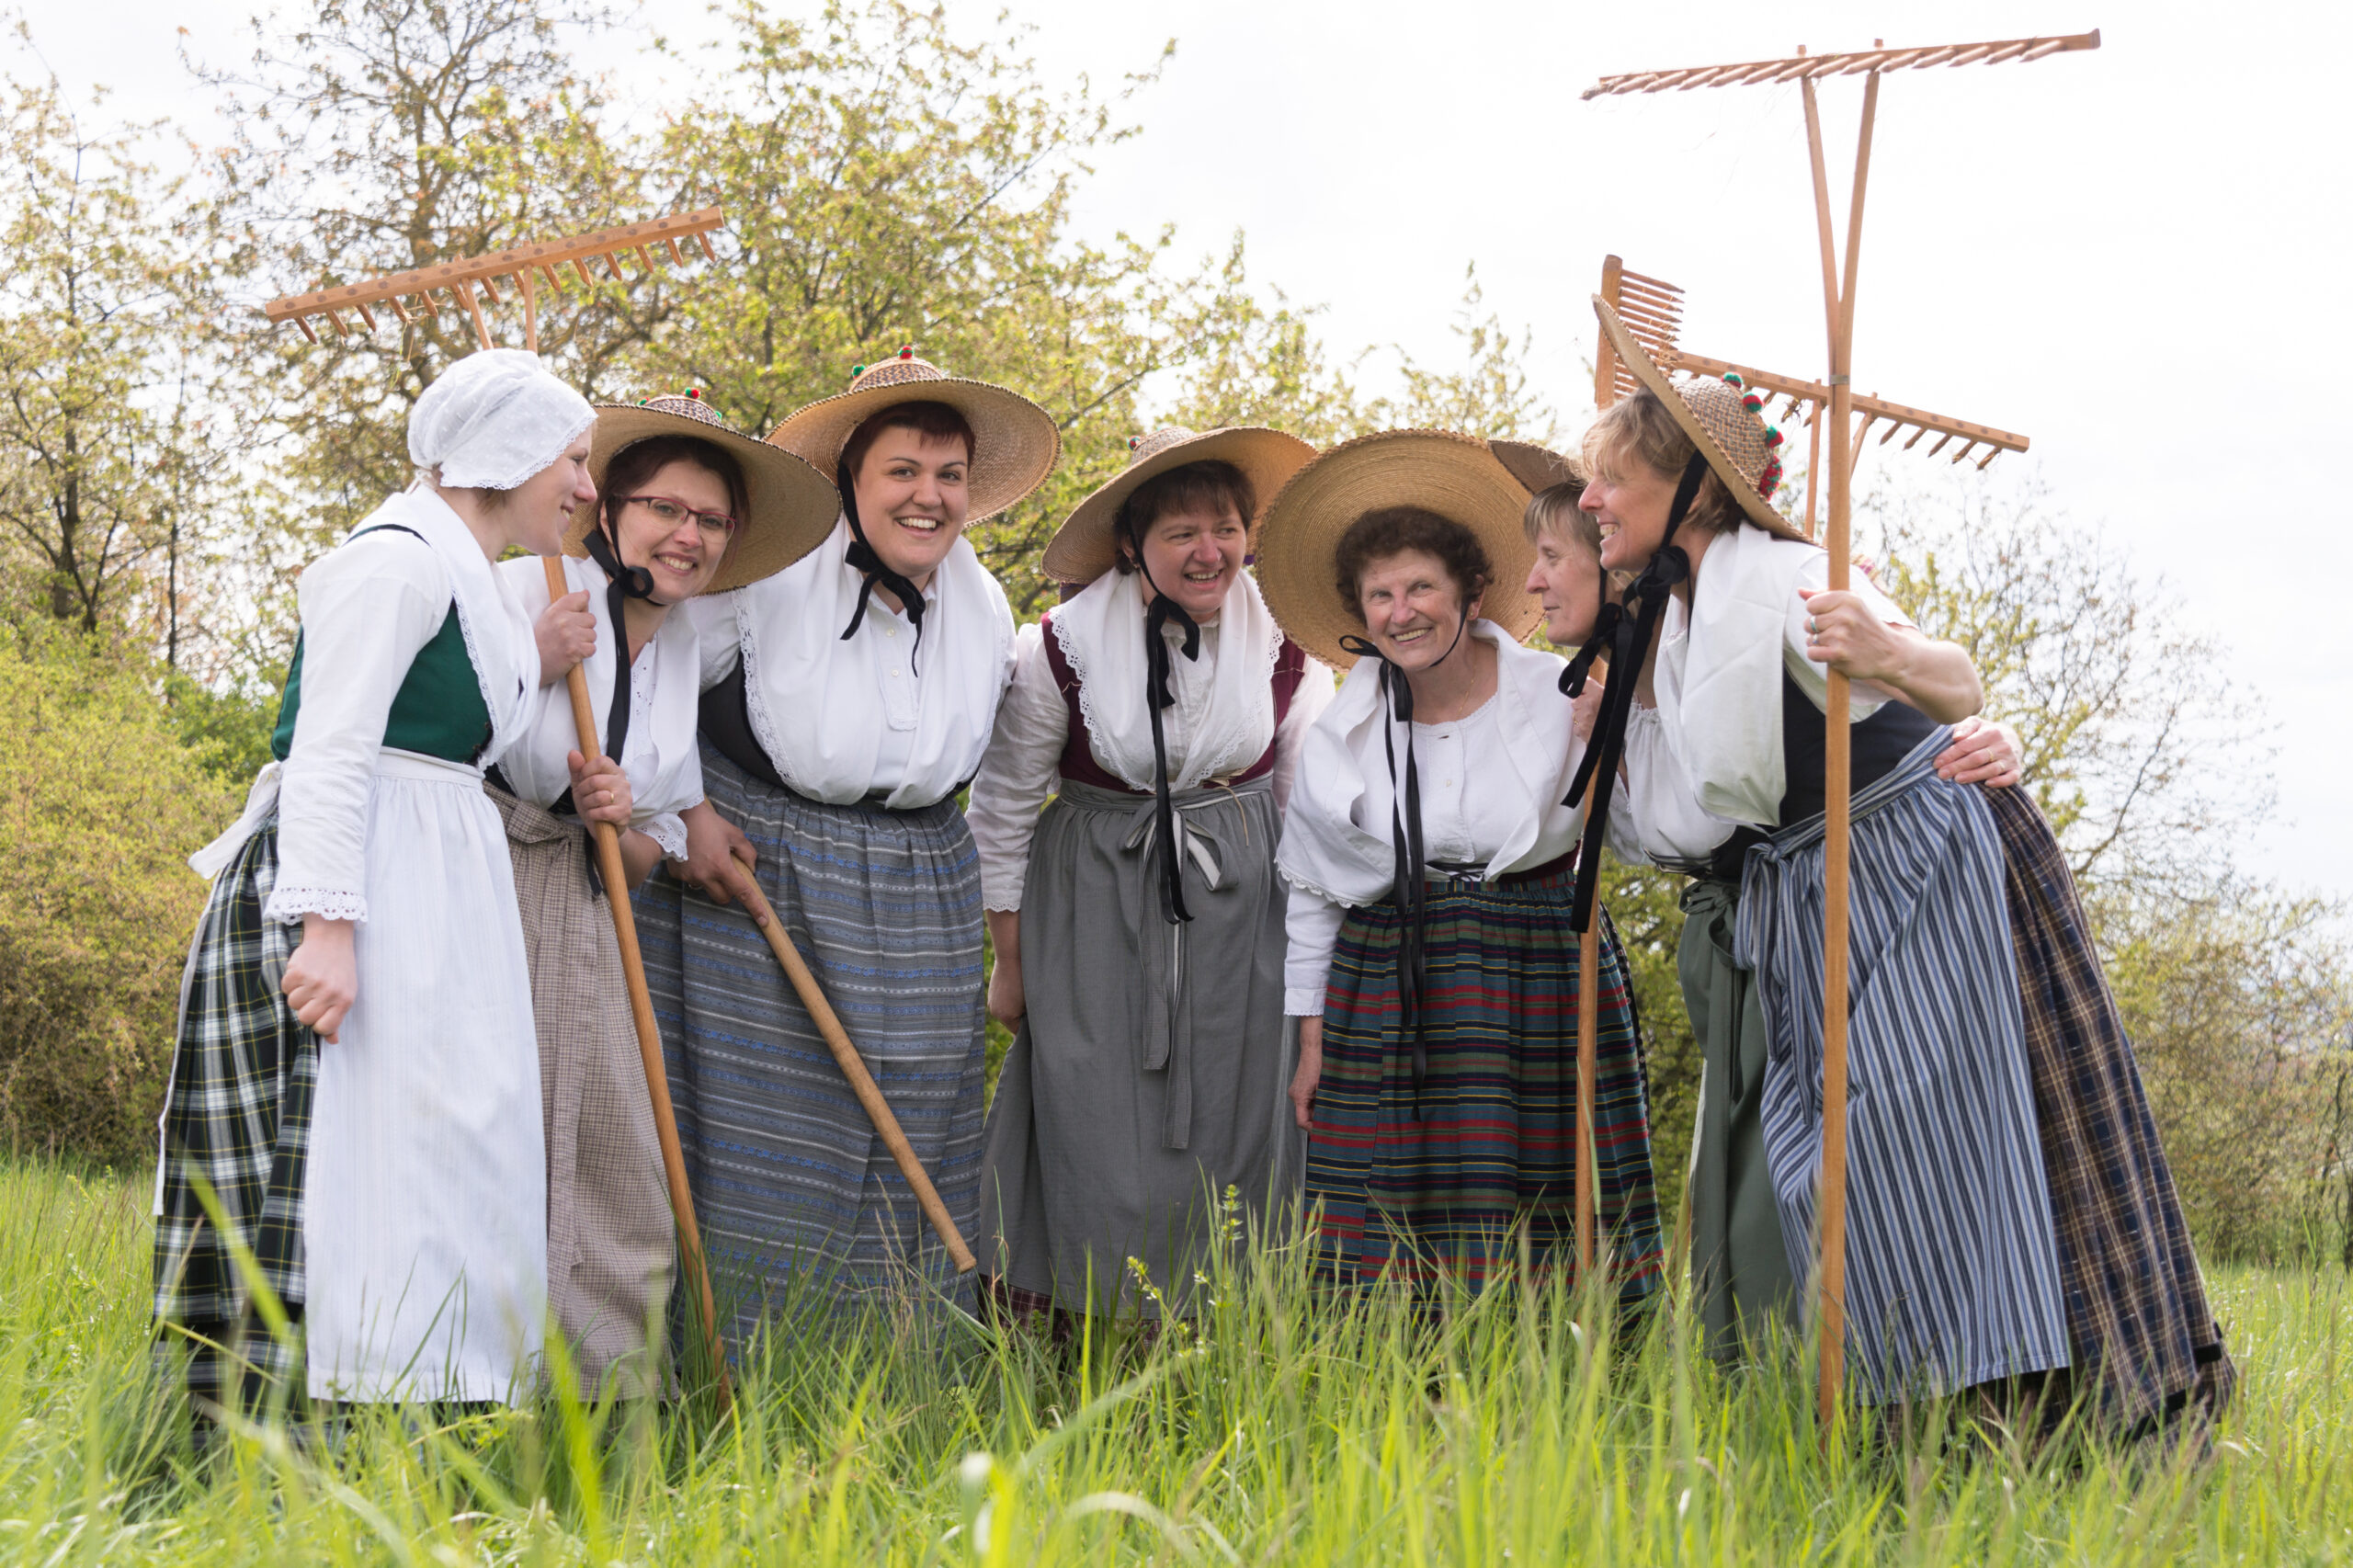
(717, 854)
(1982, 753)
(566, 633)
(1936, 677)
(1007, 1001)
(599, 790)
(1310, 1071)
(1585, 709)
(322, 977)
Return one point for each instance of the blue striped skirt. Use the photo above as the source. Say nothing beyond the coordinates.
(1952, 1268)
(802, 1208)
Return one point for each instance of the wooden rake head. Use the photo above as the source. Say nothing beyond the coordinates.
(1654, 308)
(471, 281)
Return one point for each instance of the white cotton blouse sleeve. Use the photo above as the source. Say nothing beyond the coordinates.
(1313, 695)
(1019, 772)
(1655, 817)
(366, 610)
(713, 619)
(1312, 926)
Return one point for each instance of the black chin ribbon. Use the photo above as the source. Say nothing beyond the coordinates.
(862, 558)
(1405, 845)
(622, 584)
(1627, 640)
(1162, 612)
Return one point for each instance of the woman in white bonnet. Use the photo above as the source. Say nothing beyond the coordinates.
(355, 1078)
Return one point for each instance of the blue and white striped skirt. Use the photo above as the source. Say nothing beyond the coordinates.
(801, 1206)
(1952, 1268)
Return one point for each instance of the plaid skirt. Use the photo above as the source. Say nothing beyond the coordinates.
(1442, 1188)
(237, 1116)
(2143, 1341)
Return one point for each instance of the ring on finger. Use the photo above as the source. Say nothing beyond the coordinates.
(1813, 627)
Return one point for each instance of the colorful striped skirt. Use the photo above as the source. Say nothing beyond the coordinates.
(802, 1208)
(1445, 1187)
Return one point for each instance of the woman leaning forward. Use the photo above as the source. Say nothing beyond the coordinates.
(686, 507)
(846, 701)
(363, 1099)
(1138, 922)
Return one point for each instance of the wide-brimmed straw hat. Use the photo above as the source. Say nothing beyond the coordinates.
(789, 507)
(1537, 468)
(1015, 442)
(1453, 475)
(1088, 544)
(1724, 420)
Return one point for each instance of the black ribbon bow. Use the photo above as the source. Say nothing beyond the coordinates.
(1627, 640)
(863, 559)
(1162, 612)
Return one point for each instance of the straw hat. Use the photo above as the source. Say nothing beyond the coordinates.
(1722, 418)
(792, 507)
(1454, 475)
(1537, 468)
(1015, 442)
(1087, 545)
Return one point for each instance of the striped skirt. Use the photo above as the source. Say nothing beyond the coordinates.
(1952, 1268)
(237, 1115)
(1448, 1195)
(802, 1207)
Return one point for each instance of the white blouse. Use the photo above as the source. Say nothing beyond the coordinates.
(1022, 769)
(842, 721)
(368, 607)
(1708, 758)
(1491, 784)
(660, 758)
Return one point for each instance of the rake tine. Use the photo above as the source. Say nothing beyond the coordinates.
(1990, 453)
(305, 325)
(1940, 443)
(704, 240)
(1963, 452)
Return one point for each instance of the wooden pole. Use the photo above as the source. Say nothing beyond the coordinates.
(1838, 741)
(640, 1002)
(853, 1066)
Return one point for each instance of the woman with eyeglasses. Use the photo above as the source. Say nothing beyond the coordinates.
(686, 507)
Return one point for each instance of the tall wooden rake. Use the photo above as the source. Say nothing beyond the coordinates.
(1839, 403)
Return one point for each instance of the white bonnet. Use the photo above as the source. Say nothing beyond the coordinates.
(494, 419)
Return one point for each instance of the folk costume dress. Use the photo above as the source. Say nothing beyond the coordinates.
(390, 1184)
(841, 761)
(1430, 1161)
(610, 1234)
(2010, 1210)
(1149, 1074)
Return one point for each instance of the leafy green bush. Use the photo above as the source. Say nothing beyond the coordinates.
(100, 803)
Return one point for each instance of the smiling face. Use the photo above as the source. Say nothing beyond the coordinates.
(682, 551)
(912, 497)
(1194, 556)
(1631, 509)
(534, 514)
(1566, 579)
(1411, 606)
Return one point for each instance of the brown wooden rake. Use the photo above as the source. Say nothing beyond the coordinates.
(1838, 320)
(460, 279)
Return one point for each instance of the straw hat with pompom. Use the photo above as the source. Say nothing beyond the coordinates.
(1088, 544)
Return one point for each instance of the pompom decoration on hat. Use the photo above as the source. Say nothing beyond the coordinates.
(688, 404)
(494, 419)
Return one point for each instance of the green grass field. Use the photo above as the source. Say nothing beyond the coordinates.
(1276, 1432)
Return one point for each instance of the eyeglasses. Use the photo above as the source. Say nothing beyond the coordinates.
(670, 514)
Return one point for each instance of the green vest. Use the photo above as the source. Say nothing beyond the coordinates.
(438, 710)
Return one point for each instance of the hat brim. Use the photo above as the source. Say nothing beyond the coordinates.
(1453, 475)
(1015, 442)
(1636, 358)
(790, 508)
(1537, 468)
(1087, 545)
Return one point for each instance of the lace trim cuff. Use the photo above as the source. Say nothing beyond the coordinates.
(288, 905)
(1303, 1002)
(669, 831)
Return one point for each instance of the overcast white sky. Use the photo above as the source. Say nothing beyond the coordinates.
(2135, 256)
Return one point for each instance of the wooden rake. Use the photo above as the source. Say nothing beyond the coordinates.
(521, 267)
(1838, 320)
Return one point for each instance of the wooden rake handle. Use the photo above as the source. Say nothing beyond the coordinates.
(640, 1002)
(853, 1066)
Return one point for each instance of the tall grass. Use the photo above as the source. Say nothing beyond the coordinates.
(1522, 1428)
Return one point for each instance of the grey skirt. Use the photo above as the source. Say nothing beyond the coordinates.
(610, 1235)
(1150, 1075)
